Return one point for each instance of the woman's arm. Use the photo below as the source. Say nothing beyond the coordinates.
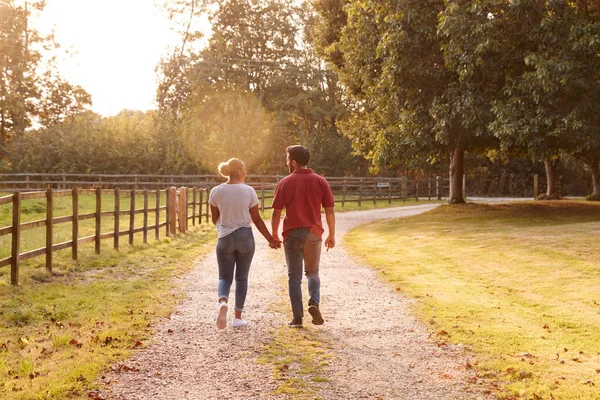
(214, 214)
(262, 228)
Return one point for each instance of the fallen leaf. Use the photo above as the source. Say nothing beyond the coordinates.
(511, 371)
(577, 360)
(284, 368)
(170, 331)
(138, 343)
(589, 383)
(73, 342)
(24, 340)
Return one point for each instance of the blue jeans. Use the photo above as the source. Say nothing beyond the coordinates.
(235, 252)
(303, 246)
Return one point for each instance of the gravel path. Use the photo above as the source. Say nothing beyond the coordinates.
(380, 350)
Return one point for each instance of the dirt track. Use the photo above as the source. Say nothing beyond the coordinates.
(381, 351)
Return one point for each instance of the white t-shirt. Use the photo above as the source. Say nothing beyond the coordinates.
(234, 202)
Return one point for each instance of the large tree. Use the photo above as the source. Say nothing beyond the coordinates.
(412, 104)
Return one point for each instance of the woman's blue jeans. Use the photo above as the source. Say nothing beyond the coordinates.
(301, 246)
(234, 253)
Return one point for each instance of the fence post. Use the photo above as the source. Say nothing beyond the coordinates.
(75, 248)
(157, 215)
(145, 232)
(404, 188)
(16, 239)
(536, 183)
(360, 192)
(464, 187)
(182, 209)
(208, 189)
(390, 192)
(172, 211)
(200, 206)
(344, 193)
(117, 215)
(438, 193)
(194, 207)
(49, 226)
(131, 214)
(98, 218)
(262, 197)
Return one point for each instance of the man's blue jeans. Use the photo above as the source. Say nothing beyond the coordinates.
(235, 252)
(303, 246)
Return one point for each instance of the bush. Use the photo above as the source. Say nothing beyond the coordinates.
(593, 197)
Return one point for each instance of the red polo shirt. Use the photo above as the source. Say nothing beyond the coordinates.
(302, 193)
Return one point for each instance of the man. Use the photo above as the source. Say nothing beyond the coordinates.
(302, 193)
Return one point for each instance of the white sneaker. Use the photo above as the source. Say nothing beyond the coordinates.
(238, 323)
(222, 318)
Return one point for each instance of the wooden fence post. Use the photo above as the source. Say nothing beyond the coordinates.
(438, 193)
(16, 239)
(49, 226)
(182, 209)
(262, 197)
(404, 189)
(75, 248)
(131, 214)
(344, 193)
(360, 192)
(200, 206)
(208, 189)
(117, 215)
(536, 183)
(194, 207)
(390, 192)
(98, 218)
(464, 187)
(145, 232)
(171, 211)
(157, 216)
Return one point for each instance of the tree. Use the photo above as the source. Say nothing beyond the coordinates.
(548, 105)
(412, 105)
(30, 89)
(259, 49)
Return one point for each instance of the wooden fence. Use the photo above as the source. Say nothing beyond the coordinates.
(177, 217)
(176, 206)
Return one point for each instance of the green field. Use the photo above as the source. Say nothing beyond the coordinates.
(517, 284)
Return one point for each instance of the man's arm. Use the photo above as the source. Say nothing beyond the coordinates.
(330, 218)
(275, 220)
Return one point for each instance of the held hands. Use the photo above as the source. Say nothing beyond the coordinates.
(275, 243)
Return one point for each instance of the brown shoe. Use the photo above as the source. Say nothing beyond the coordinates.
(317, 318)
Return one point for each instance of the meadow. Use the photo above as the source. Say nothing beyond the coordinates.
(517, 284)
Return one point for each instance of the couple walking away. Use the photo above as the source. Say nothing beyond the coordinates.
(234, 204)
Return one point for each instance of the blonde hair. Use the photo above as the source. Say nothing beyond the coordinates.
(231, 168)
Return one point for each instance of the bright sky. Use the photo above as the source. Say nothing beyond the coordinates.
(116, 44)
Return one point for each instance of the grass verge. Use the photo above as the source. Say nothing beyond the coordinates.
(59, 331)
(516, 283)
(298, 357)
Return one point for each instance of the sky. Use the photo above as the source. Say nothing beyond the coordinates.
(115, 45)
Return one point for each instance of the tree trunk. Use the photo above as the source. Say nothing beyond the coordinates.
(594, 166)
(456, 176)
(551, 166)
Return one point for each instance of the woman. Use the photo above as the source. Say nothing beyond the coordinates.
(233, 205)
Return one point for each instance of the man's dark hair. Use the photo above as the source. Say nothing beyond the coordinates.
(299, 153)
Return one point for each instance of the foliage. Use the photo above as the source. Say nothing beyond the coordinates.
(31, 91)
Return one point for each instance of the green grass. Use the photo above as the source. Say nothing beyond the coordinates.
(59, 331)
(517, 284)
(298, 357)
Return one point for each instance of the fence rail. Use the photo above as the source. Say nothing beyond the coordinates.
(180, 206)
(176, 208)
